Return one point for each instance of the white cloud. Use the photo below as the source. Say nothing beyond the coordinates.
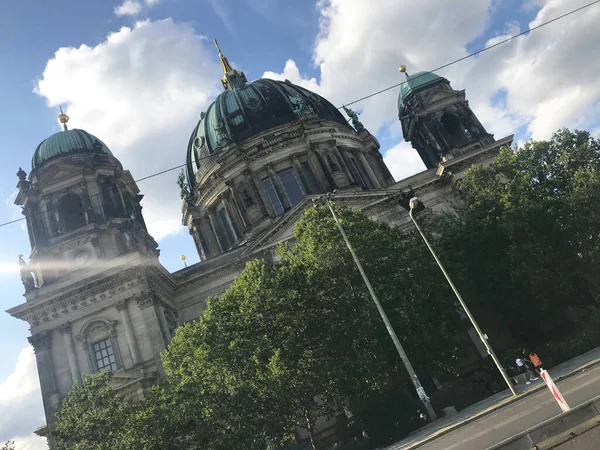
(548, 78)
(21, 404)
(128, 8)
(292, 73)
(403, 161)
(141, 91)
(134, 7)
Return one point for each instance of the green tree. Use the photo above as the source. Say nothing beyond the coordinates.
(301, 338)
(526, 245)
(93, 416)
(8, 445)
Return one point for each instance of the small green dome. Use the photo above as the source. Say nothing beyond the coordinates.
(64, 142)
(417, 82)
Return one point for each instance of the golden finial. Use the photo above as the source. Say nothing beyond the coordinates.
(63, 118)
(227, 69)
(183, 258)
(402, 69)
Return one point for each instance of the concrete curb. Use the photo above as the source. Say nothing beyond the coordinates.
(501, 404)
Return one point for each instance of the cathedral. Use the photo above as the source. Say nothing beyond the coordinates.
(97, 297)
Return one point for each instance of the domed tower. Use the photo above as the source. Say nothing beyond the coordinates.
(259, 149)
(96, 295)
(437, 119)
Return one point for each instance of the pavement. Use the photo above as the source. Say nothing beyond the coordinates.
(502, 415)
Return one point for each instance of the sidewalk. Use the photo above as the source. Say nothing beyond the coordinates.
(446, 425)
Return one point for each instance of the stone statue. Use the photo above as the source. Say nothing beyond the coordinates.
(358, 126)
(222, 137)
(302, 109)
(183, 186)
(21, 174)
(26, 277)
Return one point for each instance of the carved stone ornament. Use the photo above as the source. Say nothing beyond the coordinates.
(65, 328)
(121, 305)
(26, 276)
(41, 341)
(145, 300)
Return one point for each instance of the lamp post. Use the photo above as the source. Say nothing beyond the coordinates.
(409, 368)
(413, 204)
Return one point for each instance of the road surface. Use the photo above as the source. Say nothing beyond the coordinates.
(516, 417)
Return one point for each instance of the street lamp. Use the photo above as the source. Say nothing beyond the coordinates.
(409, 368)
(414, 203)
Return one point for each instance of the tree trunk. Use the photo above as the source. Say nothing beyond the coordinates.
(309, 427)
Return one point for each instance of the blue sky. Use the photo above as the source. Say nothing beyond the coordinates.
(139, 82)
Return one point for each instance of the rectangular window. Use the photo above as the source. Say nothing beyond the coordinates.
(105, 356)
(291, 186)
(273, 198)
(313, 187)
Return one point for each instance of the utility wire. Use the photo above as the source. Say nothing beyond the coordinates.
(377, 92)
(475, 53)
(125, 184)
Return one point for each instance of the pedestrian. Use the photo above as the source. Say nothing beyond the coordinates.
(537, 363)
(533, 372)
(523, 369)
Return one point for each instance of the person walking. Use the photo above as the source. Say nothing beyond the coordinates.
(523, 369)
(531, 368)
(535, 360)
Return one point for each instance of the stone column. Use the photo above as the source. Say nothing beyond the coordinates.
(65, 330)
(196, 234)
(317, 170)
(229, 211)
(256, 189)
(213, 227)
(239, 209)
(278, 188)
(212, 246)
(123, 205)
(164, 325)
(369, 170)
(344, 165)
(122, 307)
(298, 168)
(385, 173)
(42, 345)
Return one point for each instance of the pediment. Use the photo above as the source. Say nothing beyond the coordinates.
(58, 173)
(439, 95)
(283, 229)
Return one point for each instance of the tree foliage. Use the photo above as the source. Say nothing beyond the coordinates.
(300, 338)
(93, 416)
(526, 245)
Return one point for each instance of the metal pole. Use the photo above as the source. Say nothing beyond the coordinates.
(409, 368)
(482, 336)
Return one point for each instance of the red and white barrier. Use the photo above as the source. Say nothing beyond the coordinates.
(555, 392)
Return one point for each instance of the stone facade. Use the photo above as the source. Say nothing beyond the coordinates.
(98, 298)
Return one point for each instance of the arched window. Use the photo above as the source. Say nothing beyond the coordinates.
(453, 130)
(99, 339)
(72, 213)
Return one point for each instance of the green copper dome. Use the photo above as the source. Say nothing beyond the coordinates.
(417, 82)
(65, 142)
(246, 109)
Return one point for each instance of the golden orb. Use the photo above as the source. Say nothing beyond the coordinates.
(182, 257)
(63, 118)
(402, 68)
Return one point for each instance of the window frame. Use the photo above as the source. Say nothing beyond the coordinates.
(97, 330)
(96, 359)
